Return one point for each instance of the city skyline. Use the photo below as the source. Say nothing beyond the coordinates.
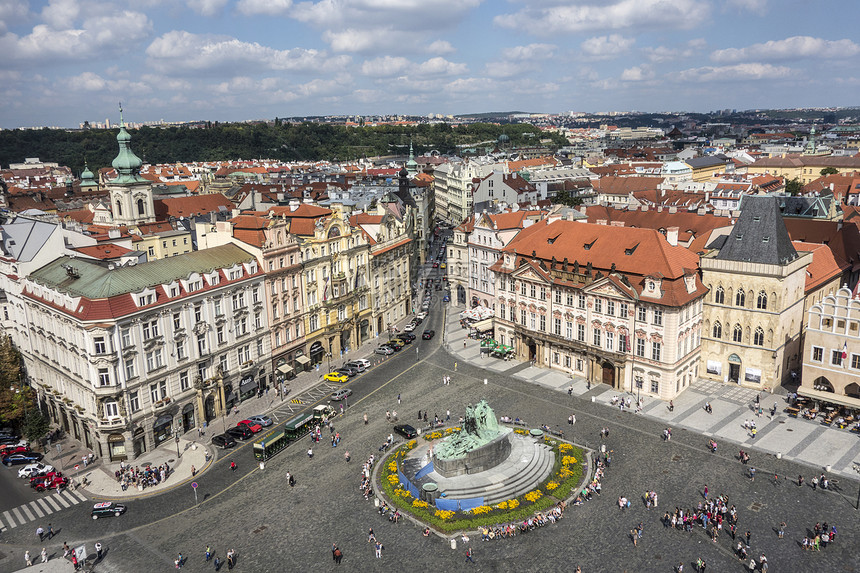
(70, 61)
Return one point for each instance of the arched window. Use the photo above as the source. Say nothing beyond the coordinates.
(738, 333)
(720, 296)
(140, 208)
(718, 330)
(758, 337)
(740, 298)
(761, 302)
(118, 208)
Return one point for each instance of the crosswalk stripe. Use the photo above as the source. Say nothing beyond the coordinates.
(81, 497)
(50, 501)
(19, 517)
(9, 520)
(43, 503)
(36, 509)
(59, 498)
(27, 512)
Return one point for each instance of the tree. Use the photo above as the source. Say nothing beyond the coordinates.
(564, 197)
(35, 425)
(829, 171)
(793, 186)
(15, 398)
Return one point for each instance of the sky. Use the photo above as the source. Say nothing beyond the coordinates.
(63, 62)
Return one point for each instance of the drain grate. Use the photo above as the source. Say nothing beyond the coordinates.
(260, 529)
(756, 506)
(676, 458)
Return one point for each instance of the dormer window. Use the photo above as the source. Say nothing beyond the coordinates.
(145, 299)
(651, 285)
(235, 274)
(174, 291)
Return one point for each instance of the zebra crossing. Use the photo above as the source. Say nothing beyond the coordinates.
(39, 508)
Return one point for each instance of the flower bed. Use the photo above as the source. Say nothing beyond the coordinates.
(565, 477)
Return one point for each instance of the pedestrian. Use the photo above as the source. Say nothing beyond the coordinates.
(40, 532)
(98, 550)
(208, 553)
(752, 474)
(27, 558)
(365, 418)
(748, 535)
(781, 532)
(814, 482)
(469, 555)
(705, 492)
(799, 481)
(333, 552)
(75, 561)
(179, 561)
(262, 465)
(66, 550)
(634, 537)
(398, 399)
(378, 549)
(447, 415)
(338, 555)
(388, 415)
(217, 564)
(231, 558)
(310, 453)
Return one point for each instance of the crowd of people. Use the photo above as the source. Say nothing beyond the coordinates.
(133, 476)
(821, 536)
(366, 485)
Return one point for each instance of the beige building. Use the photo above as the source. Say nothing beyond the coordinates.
(753, 313)
(807, 168)
(831, 356)
(458, 260)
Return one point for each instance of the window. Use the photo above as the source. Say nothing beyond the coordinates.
(836, 357)
(198, 313)
(720, 296)
(655, 387)
(610, 341)
(177, 321)
(219, 334)
(543, 293)
(130, 370)
(313, 322)
(642, 314)
(580, 332)
(201, 344)
(104, 377)
(180, 351)
(242, 326)
(740, 298)
(557, 297)
(243, 354)
(566, 361)
(622, 343)
(532, 320)
(275, 310)
(154, 360)
(157, 391)
(761, 301)
(855, 361)
(622, 310)
(610, 307)
(222, 363)
(218, 311)
(543, 323)
(658, 317)
(341, 313)
(125, 337)
(150, 330)
(596, 337)
(758, 337)
(238, 301)
(568, 330)
(598, 305)
(258, 320)
(640, 347)
(183, 381)
(522, 317)
(556, 323)
(656, 347)
(737, 334)
(202, 370)
(260, 351)
(502, 312)
(555, 357)
(533, 291)
(133, 401)
(718, 330)
(817, 353)
(581, 301)
(255, 295)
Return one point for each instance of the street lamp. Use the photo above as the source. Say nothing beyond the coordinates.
(176, 435)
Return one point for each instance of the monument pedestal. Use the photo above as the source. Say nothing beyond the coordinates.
(477, 460)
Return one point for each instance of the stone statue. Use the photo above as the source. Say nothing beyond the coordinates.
(479, 428)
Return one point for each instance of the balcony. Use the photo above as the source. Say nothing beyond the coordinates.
(160, 405)
(102, 391)
(111, 423)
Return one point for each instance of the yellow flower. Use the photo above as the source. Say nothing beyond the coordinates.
(392, 467)
(513, 504)
(502, 505)
(533, 496)
(565, 472)
(393, 479)
(567, 460)
(419, 503)
(565, 447)
(481, 509)
(551, 485)
(411, 444)
(444, 514)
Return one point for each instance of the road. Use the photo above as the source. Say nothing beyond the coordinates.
(274, 527)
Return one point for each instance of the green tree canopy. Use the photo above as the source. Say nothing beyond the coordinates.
(829, 171)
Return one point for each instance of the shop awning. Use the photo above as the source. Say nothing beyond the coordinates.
(483, 325)
(285, 368)
(829, 397)
(303, 360)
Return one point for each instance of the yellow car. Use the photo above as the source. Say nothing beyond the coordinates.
(443, 265)
(336, 377)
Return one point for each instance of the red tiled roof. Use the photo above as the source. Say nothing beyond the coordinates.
(304, 227)
(104, 251)
(823, 266)
(625, 185)
(304, 210)
(390, 247)
(190, 206)
(842, 238)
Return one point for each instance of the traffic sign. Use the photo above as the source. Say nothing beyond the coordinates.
(194, 484)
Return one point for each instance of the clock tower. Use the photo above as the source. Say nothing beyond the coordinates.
(130, 194)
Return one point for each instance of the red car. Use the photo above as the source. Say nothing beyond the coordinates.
(253, 426)
(15, 450)
(56, 482)
(36, 480)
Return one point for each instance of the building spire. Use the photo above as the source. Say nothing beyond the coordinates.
(121, 122)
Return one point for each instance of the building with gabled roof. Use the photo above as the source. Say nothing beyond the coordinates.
(614, 305)
(125, 357)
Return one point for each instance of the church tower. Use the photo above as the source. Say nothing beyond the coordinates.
(130, 194)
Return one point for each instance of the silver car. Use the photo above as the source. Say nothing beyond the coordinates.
(263, 420)
(341, 394)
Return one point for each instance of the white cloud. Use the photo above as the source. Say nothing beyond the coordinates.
(440, 47)
(506, 69)
(267, 7)
(92, 82)
(207, 7)
(637, 74)
(792, 48)
(441, 66)
(603, 47)
(659, 54)
(179, 51)
(385, 66)
(529, 52)
(620, 14)
(755, 6)
(748, 71)
(61, 14)
(367, 39)
(12, 12)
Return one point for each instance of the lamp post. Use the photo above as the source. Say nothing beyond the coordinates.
(176, 436)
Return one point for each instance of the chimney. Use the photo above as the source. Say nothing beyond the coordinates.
(213, 217)
(616, 224)
(294, 204)
(672, 236)
(600, 222)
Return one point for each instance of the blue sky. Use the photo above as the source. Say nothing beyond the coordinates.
(66, 61)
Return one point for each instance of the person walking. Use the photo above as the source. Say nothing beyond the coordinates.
(333, 551)
(705, 492)
(469, 556)
(208, 553)
(98, 547)
(378, 550)
(44, 555)
(781, 531)
(40, 531)
(50, 532)
(27, 559)
(398, 399)
(338, 555)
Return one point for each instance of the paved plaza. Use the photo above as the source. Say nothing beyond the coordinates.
(275, 527)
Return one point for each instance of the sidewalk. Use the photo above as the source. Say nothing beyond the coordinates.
(196, 450)
(825, 448)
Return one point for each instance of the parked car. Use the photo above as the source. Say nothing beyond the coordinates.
(108, 508)
(36, 480)
(356, 365)
(422, 315)
(407, 337)
(428, 334)
(25, 458)
(341, 394)
(14, 450)
(385, 350)
(410, 327)
(406, 431)
(263, 420)
(446, 298)
(33, 470)
(443, 265)
(10, 440)
(363, 361)
(55, 482)
(253, 426)
(239, 433)
(223, 441)
(396, 344)
(435, 264)
(348, 370)
(336, 377)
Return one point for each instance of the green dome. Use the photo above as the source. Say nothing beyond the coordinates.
(86, 173)
(126, 162)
